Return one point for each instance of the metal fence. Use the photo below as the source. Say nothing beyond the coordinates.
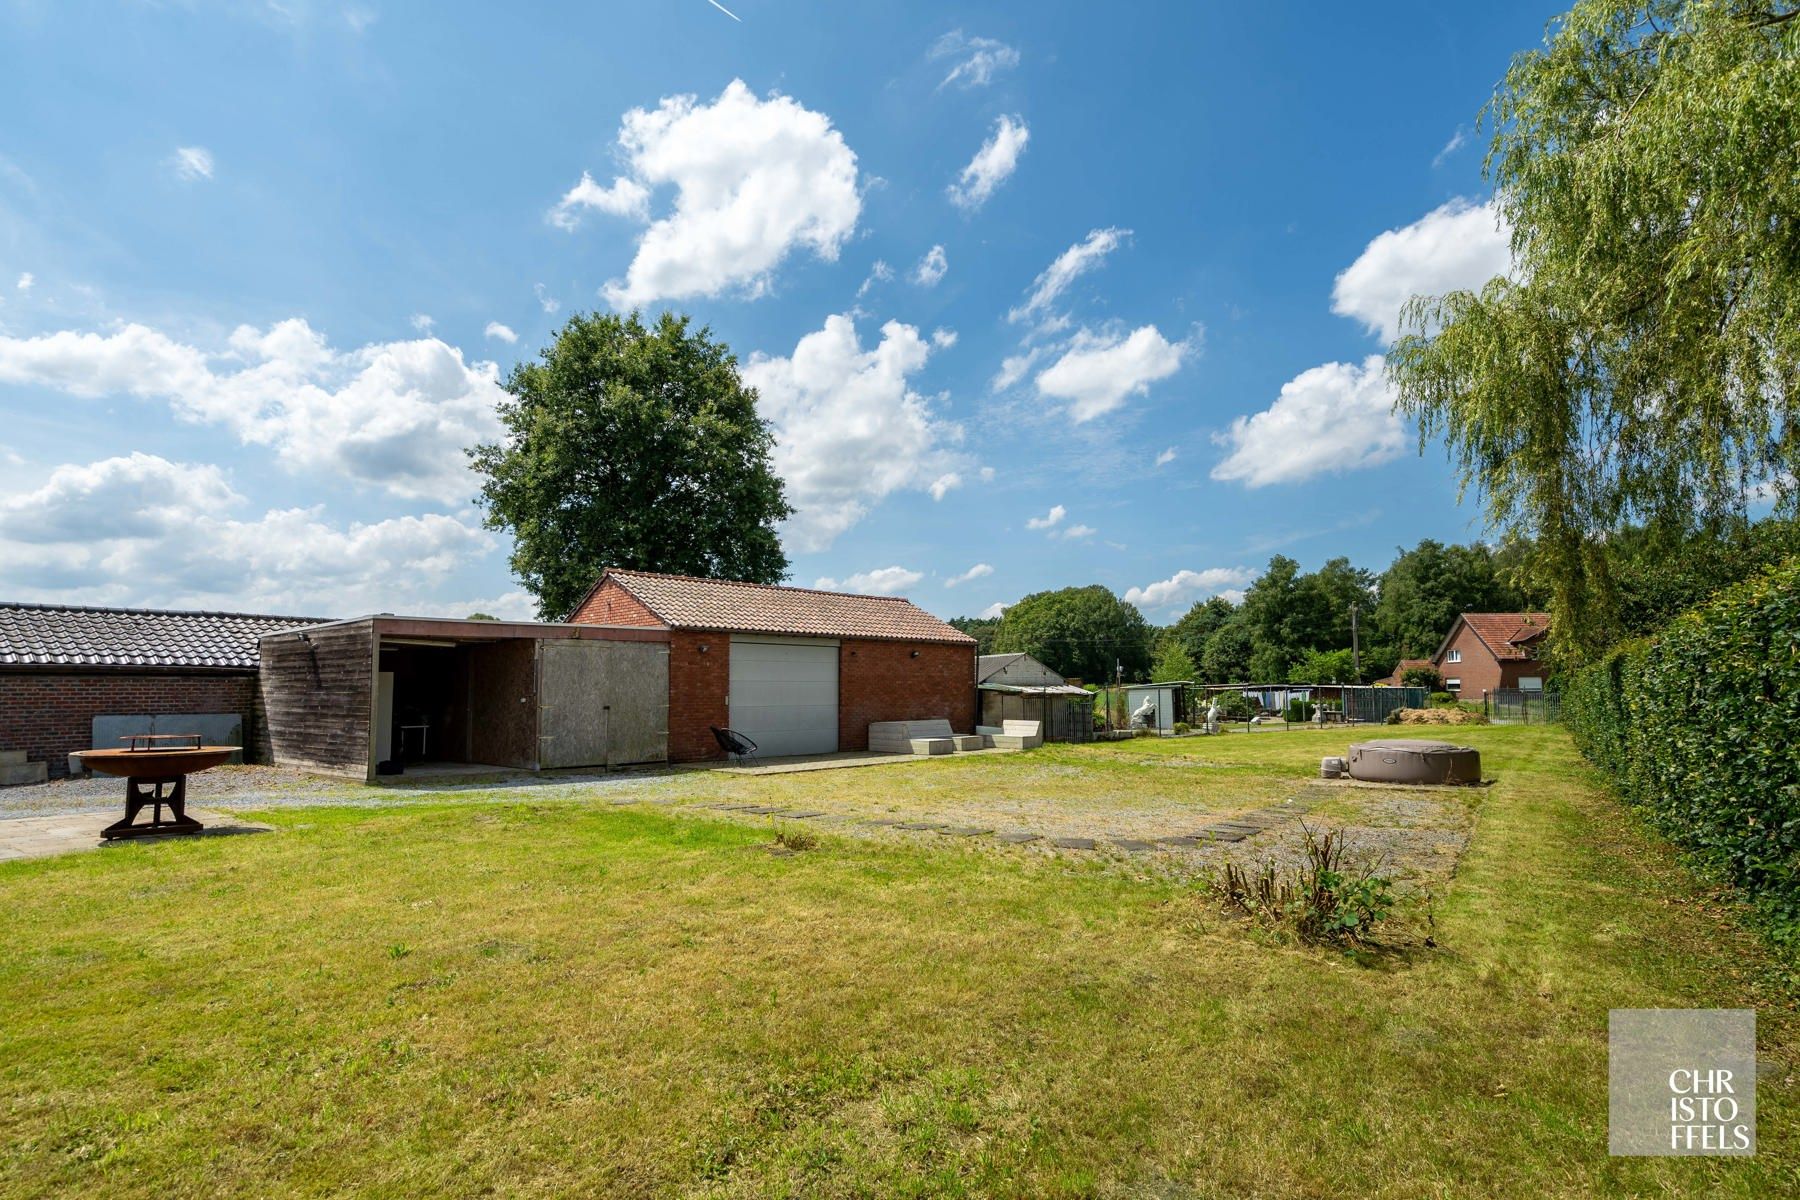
(1522, 706)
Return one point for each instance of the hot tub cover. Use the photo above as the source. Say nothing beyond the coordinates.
(1414, 760)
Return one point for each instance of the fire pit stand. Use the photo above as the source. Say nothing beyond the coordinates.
(156, 767)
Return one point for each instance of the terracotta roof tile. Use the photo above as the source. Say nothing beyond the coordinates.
(686, 602)
(59, 636)
(1504, 633)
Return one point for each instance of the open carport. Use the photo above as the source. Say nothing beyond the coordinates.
(347, 696)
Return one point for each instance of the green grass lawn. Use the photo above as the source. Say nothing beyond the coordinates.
(566, 999)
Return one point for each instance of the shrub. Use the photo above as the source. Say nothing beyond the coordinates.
(796, 839)
(1442, 699)
(1183, 727)
(1422, 677)
(1299, 710)
(1696, 727)
(1322, 900)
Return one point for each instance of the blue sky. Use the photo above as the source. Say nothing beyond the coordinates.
(1033, 298)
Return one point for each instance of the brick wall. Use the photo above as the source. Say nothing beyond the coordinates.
(1479, 670)
(698, 688)
(882, 681)
(613, 605)
(51, 714)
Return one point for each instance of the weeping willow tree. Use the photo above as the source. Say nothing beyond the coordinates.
(1639, 365)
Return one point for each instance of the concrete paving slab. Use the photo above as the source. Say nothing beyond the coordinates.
(1018, 838)
(1072, 843)
(46, 837)
(964, 830)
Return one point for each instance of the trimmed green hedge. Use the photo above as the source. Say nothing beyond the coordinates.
(1699, 725)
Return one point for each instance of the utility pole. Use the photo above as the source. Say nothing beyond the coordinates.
(1355, 648)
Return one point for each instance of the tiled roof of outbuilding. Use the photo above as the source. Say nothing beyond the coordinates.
(51, 635)
(687, 602)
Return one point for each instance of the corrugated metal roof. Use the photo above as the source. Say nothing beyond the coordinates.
(686, 602)
(51, 635)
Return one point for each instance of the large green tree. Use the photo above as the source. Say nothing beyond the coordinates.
(637, 446)
(1421, 593)
(1084, 632)
(982, 629)
(1195, 629)
(1642, 362)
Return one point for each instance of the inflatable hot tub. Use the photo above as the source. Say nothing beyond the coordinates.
(1413, 760)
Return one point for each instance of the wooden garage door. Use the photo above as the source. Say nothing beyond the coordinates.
(784, 694)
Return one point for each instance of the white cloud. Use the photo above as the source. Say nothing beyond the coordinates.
(754, 180)
(1097, 372)
(625, 197)
(1013, 368)
(1184, 588)
(192, 163)
(880, 272)
(501, 332)
(141, 529)
(943, 338)
(944, 484)
(394, 415)
(423, 322)
(978, 571)
(986, 474)
(884, 581)
(849, 429)
(1166, 457)
(1049, 520)
(932, 268)
(1332, 418)
(1458, 246)
(993, 611)
(545, 300)
(1455, 143)
(1078, 259)
(26, 279)
(977, 59)
(1075, 532)
(992, 164)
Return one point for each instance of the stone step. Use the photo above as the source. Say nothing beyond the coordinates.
(13, 774)
(11, 758)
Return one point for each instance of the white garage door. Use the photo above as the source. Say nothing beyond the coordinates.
(784, 694)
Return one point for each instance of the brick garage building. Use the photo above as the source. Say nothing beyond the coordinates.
(1485, 652)
(798, 671)
(60, 667)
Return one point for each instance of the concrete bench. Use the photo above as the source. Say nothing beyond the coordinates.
(918, 737)
(1018, 735)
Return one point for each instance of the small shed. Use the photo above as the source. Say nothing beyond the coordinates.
(1017, 687)
(343, 697)
(1169, 698)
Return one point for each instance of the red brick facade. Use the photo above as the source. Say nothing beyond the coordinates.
(882, 681)
(50, 714)
(611, 604)
(699, 684)
(1479, 672)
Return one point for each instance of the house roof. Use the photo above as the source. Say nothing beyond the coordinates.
(1405, 665)
(687, 602)
(51, 635)
(1508, 636)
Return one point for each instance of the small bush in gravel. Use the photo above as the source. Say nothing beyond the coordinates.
(796, 839)
(1324, 900)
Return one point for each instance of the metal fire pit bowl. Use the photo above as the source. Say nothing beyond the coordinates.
(155, 767)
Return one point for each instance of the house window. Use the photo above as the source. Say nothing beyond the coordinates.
(1531, 683)
(1453, 685)
(1455, 656)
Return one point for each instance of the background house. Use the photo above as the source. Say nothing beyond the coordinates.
(1485, 652)
(798, 671)
(1017, 687)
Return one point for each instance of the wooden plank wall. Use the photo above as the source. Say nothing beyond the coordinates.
(318, 700)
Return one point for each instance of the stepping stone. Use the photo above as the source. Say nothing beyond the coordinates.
(762, 811)
(1209, 835)
(920, 825)
(804, 816)
(1134, 845)
(1182, 840)
(1072, 843)
(1017, 839)
(881, 821)
(963, 830)
(1236, 827)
